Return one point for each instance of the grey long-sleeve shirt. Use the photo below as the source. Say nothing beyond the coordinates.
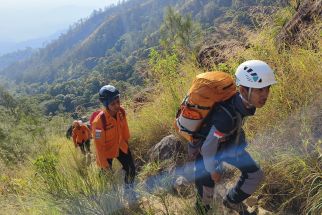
(221, 135)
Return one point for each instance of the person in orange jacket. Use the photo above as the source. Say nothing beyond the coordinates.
(111, 134)
(81, 136)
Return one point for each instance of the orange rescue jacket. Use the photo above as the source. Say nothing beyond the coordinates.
(81, 134)
(113, 138)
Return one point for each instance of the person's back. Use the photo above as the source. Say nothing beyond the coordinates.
(81, 136)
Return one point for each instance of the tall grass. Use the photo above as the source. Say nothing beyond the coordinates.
(59, 181)
(292, 169)
(290, 154)
(294, 182)
(286, 137)
(286, 133)
(82, 189)
(155, 120)
(299, 76)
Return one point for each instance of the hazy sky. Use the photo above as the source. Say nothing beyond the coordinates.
(22, 20)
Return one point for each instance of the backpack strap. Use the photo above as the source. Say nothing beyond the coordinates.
(231, 118)
(237, 121)
(235, 117)
(186, 103)
(238, 126)
(103, 119)
(206, 121)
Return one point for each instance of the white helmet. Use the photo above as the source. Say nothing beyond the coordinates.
(254, 74)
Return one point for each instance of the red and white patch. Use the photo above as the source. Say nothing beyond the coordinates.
(218, 134)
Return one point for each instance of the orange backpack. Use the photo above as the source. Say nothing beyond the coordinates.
(207, 90)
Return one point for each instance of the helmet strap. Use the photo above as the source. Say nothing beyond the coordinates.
(249, 94)
(247, 101)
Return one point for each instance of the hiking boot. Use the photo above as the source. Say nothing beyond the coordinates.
(241, 208)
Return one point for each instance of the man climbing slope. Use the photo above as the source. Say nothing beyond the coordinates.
(224, 140)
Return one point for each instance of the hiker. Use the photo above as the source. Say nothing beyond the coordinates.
(81, 136)
(111, 134)
(224, 139)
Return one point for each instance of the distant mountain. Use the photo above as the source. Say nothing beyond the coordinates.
(8, 47)
(107, 36)
(14, 57)
(122, 33)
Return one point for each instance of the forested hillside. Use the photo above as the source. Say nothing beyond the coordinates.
(113, 45)
(151, 53)
(8, 59)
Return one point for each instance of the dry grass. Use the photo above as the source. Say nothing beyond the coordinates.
(288, 148)
(155, 120)
(286, 134)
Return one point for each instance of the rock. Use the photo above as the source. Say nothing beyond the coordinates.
(183, 187)
(141, 98)
(306, 14)
(251, 201)
(168, 148)
(181, 181)
(172, 175)
(186, 170)
(218, 53)
(143, 95)
(262, 211)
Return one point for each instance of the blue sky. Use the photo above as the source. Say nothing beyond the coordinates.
(22, 20)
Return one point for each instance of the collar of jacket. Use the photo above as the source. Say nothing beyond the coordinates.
(119, 114)
(108, 115)
(240, 107)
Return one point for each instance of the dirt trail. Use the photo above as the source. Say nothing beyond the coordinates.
(174, 204)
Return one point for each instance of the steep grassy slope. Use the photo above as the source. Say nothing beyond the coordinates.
(285, 137)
